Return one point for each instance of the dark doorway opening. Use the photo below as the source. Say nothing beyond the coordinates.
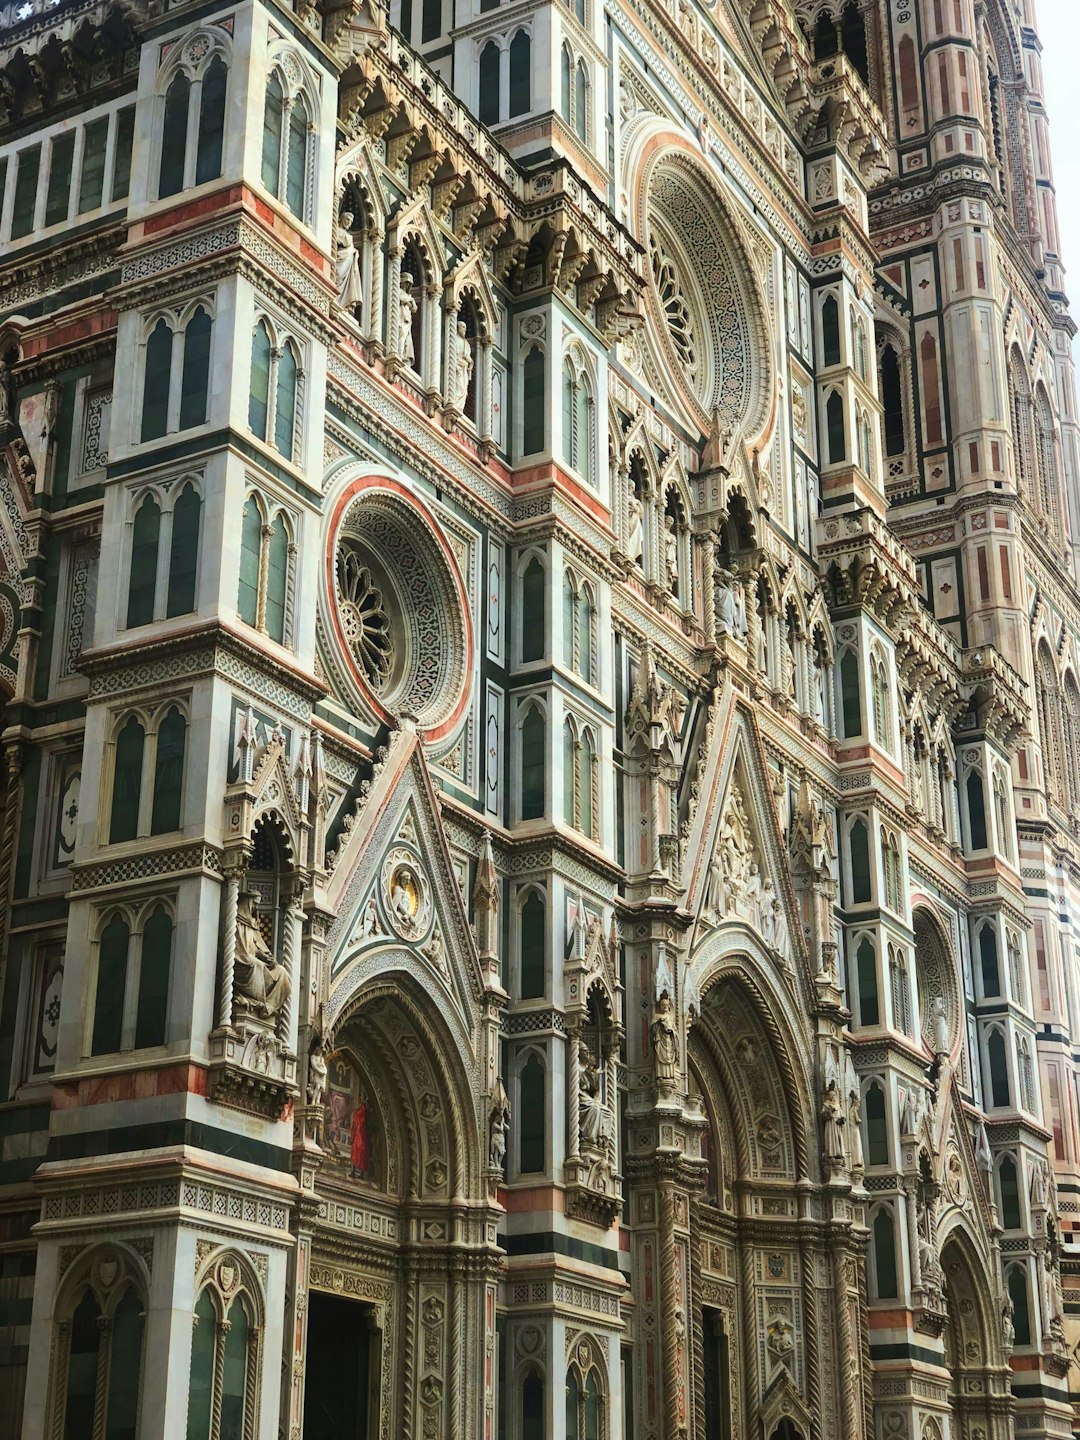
(341, 1375)
(717, 1376)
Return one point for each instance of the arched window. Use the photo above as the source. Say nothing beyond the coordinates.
(850, 698)
(893, 403)
(577, 427)
(859, 848)
(1018, 1294)
(566, 67)
(112, 968)
(581, 102)
(532, 948)
(830, 331)
(183, 553)
(853, 39)
(103, 1350)
(520, 74)
(266, 560)
(866, 969)
(285, 404)
(1001, 805)
(533, 767)
(834, 424)
(587, 784)
(1009, 1192)
(157, 382)
(1048, 700)
(224, 1368)
(142, 579)
(570, 772)
(877, 1132)
(533, 429)
(277, 579)
(585, 634)
(127, 782)
(211, 121)
(976, 809)
(879, 681)
(1025, 1074)
(1046, 461)
(533, 617)
(251, 528)
(532, 1407)
(273, 125)
(168, 773)
(154, 967)
(259, 398)
(1000, 1096)
(296, 158)
(489, 106)
(532, 1127)
(195, 373)
(988, 962)
(174, 136)
(885, 1287)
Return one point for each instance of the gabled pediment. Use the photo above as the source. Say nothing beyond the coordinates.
(395, 898)
(737, 866)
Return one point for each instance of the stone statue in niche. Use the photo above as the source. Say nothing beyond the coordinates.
(665, 1045)
(407, 308)
(671, 556)
(500, 1122)
(317, 1069)
(1008, 1329)
(730, 604)
(941, 1027)
(635, 541)
(262, 986)
(463, 368)
(592, 1114)
(347, 265)
(832, 1115)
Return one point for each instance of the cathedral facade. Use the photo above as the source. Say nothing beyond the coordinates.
(540, 659)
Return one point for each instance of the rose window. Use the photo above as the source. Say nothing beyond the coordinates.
(397, 611)
(673, 302)
(363, 616)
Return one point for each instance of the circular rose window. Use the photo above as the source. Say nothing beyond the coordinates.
(397, 605)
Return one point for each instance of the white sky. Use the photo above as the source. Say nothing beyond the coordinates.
(1058, 23)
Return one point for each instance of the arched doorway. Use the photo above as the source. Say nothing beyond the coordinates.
(973, 1353)
(389, 1348)
(753, 1145)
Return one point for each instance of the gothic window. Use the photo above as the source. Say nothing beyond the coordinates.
(581, 101)
(581, 780)
(890, 863)
(533, 426)
(131, 991)
(533, 610)
(584, 1404)
(975, 797)
(489, 106)
(1048, 699)
(24, 205)
(532, 1407)
(520, 101)
(163, 555)
(901, 1005)
(275, 384)
(858, 330)
(58, 192)
(826, 41)
(1009, 1193)
(566, 70)
(532, 1126)
(193, 117)
(224, 1373)
(830, 331)
(579, 626)
(1018, 1294)
(577, 419)
(1016, 971)
(532, 946)
(177, 373)
(1047, 462)
(883, 1255)
(98, 1352)
(853, 39)
(673, 302)
(997, 1064)
(92, 176)
(892, 402)
(850, 698)
(1020, 408)
(141, 752)
(1025, 1074)
(835, 428)
(1001, 812)
(877, 1130)
(267, 561)
(1070, 716)
(989, 972)
(287, 131)
(867, 982)
(859, 851)
(533, 763)
(821, 678)
(879, 686)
